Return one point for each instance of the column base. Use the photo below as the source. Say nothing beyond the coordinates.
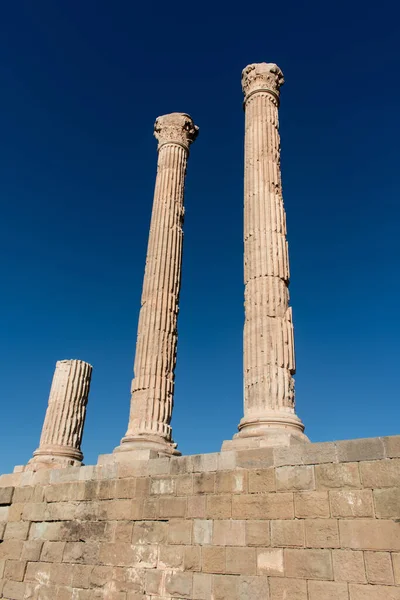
(54, 457)
(268, 430)
(147, 446)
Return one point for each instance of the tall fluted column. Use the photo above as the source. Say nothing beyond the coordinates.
(153, 384)
(269, 361)
(60, 442)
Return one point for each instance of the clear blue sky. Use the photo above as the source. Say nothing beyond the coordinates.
(81, 86)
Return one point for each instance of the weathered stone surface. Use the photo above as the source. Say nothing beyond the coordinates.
(308, 564)
(348, 565)
(153, 384)
(312, 504)
(287, 589)
(322, 533)
(270, 561)
(328, 590)
(362, 449)
(287, 533)
(230, 533)
(380, 474)
(387, 503)
(213, 559)
(351, 503)
(373, 592)
(368, 534)
(295, 478)
(241, 561)
(60, 442)
(257, 533)
(339, 475)
(269, 506)
(379, 567)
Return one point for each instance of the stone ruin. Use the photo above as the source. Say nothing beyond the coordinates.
(270, 517)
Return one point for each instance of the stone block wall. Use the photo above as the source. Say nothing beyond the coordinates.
(310, 522)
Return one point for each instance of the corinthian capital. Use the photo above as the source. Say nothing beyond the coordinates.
(175, 128)
(261, 77)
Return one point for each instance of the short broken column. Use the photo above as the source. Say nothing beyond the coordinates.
(60, 442)
(149, 431)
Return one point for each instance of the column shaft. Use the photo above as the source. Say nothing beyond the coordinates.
(269, 360)
(154, 369)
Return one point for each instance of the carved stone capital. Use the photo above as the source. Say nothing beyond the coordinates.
(175, 128)
(261, 77)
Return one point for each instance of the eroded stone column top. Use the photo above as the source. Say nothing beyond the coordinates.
(175, 128)
(261, 77)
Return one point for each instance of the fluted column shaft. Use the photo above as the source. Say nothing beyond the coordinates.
(61, 438)
(269, 360)
(153, 385)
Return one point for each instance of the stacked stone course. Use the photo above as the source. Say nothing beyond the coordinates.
(308, 522)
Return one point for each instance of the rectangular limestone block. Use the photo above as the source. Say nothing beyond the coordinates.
(295, 478)
(270, 561)
(396, 566)
(192, 558)
(31, 550)
(241, 561)
(381, 474)
(268, 506)
(348, 565)
(287, 589)
(328, 590)
(392, 446)
(305, 454)
(11, 549)
(257, 533)
(258, 458)
(373, 592)
(52, 552)
(229, 533)
(231, 482)
(287, 533)
(184, 485)
(351, 503)
(149, 532)
(17, 531)
(331, 476)
(6, 494)
(173, 507)
(369, 534)
(14, 590)
(202, 531)
(163, 486)
(261, 481)
(204, 483)
(311, 505)
(379, 567)
(322, 533)
(179, 531)
(213, 559)
(171, 557)
(219, 507)
(203, 463)
(387, 503)
(202, 584)
(14, 570)
(361, 449)
(308, 564)
(196, 507)
(179, 585)
(224, 587)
